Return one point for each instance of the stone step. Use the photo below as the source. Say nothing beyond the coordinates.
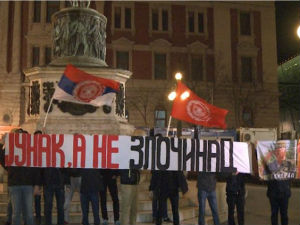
(143, 195)
(143, 205)
(142, 216)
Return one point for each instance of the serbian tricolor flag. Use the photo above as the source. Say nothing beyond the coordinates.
(80, 87)
(188, 107)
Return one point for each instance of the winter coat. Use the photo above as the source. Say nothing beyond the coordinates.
(20, 175)
(166, 181)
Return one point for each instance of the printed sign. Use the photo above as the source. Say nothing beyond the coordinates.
(277, 159)
(124, 152)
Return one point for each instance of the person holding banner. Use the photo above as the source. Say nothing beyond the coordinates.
(91, 182)
(37, 197)
(75, 183)
(279, 192)
(206, 184)
(22, 184)
(235, 197)
(166, 184)
(129, 192)
(110, 183)
(54, 180)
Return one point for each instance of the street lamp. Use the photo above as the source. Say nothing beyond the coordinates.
(178, 76)
(172, 95)
(298, 31)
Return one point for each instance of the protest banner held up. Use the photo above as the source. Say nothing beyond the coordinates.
(277, 159)
(124, 152)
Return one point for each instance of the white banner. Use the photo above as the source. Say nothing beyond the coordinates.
(124, 152)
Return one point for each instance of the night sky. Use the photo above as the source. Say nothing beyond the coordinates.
(287, 22)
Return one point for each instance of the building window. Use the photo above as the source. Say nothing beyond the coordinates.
(160, 66)
(165, 20)
(160, 20)
(197, 67)
(245, 23)
(47, 55)
(195, 20)
(52, 7)
(117, 17)
(160, 118)
(246, 69)
(35, 56)
(122, 60)
(128, 18)
(37, 11)
(123, 18)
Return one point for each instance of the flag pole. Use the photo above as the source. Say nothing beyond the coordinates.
(45, 120)
(170, 118)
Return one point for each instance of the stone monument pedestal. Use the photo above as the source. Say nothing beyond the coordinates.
(70, 118)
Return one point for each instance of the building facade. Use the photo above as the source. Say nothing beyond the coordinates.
(226, 52)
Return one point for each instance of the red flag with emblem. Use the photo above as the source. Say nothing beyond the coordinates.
(194, 109)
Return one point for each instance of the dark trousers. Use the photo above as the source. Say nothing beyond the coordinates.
(237, 201)
(155, 205)
(111, 185)
(85, 198)
(279, 203)
(37, 206)
(49, 192)
(173, 195)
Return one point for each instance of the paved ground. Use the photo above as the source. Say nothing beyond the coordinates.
(250, 219)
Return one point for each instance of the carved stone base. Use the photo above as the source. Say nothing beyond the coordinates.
(78, 61)
(70, 118)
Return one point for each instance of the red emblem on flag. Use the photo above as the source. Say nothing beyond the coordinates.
(198, 111)
(88, 90)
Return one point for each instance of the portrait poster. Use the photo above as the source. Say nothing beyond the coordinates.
(298, 160)
(277, 159)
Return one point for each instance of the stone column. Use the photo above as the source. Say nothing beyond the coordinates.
(16, 49)
(3, 35)
(43, 11)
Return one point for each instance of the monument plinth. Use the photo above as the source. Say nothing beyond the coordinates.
(78, 38)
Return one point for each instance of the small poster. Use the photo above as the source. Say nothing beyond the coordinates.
(277, 159)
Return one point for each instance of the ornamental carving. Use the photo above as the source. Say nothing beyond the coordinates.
(73, 108)
(48, 91)
(120, 101)
(79, 33)
(35, 98)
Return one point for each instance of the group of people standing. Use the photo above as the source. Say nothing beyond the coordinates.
(24, 185)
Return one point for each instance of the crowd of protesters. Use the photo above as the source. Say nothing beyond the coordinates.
(25, 185)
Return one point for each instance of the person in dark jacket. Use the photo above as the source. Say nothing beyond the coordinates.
(279, 192)
(166, 184)
(129, 192)
(91, 182)
(235, 197)
(38, 197)
(22, 184)
(155, 199)
(54, 181)
(206, 184)
(109, 182)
